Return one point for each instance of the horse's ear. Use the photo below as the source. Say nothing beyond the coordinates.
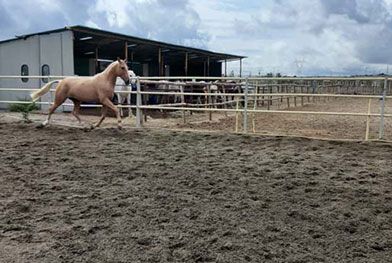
(118, 59)
(125, 60)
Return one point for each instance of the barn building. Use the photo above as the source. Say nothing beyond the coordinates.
(84, 51)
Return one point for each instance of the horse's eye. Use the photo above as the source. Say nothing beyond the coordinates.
(122, 67)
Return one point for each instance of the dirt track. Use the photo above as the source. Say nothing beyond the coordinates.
(142, 196)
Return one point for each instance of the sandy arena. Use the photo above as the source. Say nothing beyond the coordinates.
(158, 196)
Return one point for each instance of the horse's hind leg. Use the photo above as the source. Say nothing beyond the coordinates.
(58, 100)
(76, 110)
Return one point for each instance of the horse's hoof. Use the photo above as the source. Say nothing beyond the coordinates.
(40, 126)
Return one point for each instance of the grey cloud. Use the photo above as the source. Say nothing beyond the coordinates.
(344, 7)
(372, 34)
(166, 20)
(366, 25)
(24, 17)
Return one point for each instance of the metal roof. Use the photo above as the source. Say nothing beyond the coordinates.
(132, 39)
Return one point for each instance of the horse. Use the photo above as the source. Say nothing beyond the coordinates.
(98, 88)
(176, 86)
(121, 86)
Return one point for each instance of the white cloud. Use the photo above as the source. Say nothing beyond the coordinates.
(339, 36)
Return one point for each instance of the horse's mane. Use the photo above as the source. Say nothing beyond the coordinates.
(114, 63)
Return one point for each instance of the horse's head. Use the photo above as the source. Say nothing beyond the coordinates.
(122, 70)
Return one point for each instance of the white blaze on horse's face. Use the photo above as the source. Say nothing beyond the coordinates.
(122, 70)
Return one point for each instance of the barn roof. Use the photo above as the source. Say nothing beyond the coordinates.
(94, 37)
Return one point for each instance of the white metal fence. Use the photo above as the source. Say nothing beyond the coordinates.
(273, 88)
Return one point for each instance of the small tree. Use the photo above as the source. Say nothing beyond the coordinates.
(25, 109)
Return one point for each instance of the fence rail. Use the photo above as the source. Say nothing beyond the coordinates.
(249, 94)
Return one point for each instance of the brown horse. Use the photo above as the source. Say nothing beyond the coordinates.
(98, 88)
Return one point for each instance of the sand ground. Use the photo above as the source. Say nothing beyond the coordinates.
(67, 195)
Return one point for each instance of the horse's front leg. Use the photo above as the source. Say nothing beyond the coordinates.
(119, 99)
(107, 102)
(130, 115)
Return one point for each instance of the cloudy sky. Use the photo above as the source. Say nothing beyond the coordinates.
(324, 37)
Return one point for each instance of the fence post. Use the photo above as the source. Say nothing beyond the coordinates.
(246, 106)
(368, 121)
(381, 134)
(138, 104)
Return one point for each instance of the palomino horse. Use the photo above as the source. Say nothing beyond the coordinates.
(98, 88)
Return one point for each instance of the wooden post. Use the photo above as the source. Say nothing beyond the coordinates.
(245, 110)
(237, 114)
(183, 103)
(281, 91)
(302, 98)
(288, 97)
(138, 104)
(270, 97)
(255, 108)
(268, 100)
(209, 102)
(381, 131)
(224, 98)
(307, 91)
(295, 98)
(225, 68)
(368, 121)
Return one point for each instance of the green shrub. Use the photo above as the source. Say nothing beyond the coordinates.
(24, 108)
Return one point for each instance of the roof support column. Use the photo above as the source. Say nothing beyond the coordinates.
(208, 66)
(186, 64)
(225, 67)
(160, 62)
(240, 67)
(204, 68)
(96, 60)
(126, 50)
(131, 60)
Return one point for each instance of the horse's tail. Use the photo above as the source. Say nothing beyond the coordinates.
(42, 91)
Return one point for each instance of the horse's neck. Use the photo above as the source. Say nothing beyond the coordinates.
(109, 74)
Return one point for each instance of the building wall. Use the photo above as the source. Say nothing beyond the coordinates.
(12, 56)
(55, 50)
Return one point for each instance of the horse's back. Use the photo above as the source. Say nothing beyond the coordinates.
(80, 88)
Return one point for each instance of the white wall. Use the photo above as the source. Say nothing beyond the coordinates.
(12, 56)
(55, 50)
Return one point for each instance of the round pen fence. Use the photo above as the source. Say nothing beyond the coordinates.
(245, 100)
